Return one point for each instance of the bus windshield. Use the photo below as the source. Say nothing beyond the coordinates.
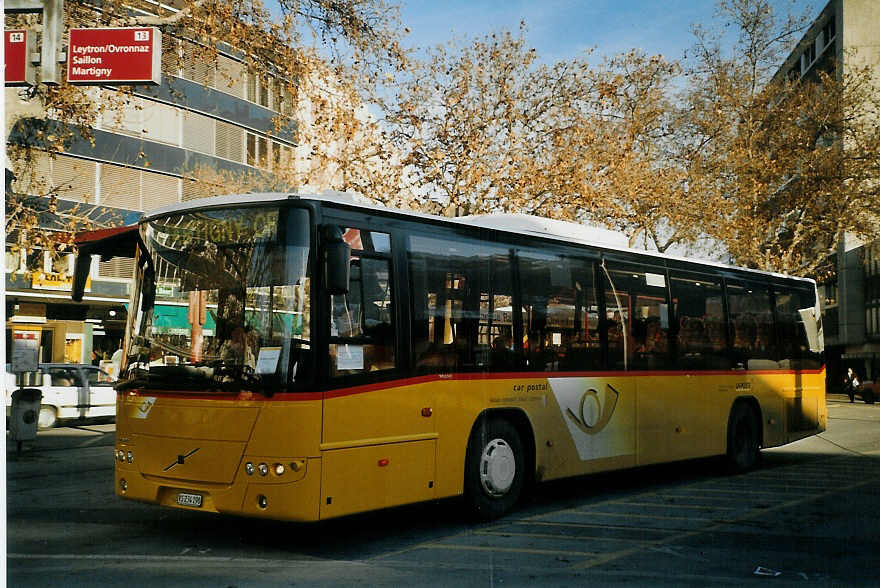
(221, 301)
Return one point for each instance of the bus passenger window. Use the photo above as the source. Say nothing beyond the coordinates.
(701, 340)
(793, 348)
(361, 326)
(637, 317)
(560, 313)
(462, 301)
(751, 319)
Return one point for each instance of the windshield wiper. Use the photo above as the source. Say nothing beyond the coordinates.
(242, 376)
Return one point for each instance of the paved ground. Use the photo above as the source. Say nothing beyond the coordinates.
(808, 516)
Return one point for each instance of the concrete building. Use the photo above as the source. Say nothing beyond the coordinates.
(846, 34)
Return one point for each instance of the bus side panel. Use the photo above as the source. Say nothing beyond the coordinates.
(365, 478)
(673, 419)
(359, 416)
(289, 427)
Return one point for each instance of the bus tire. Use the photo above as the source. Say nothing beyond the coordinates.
(868, 396)
(47, 418)
(743, 438)
(494, 469)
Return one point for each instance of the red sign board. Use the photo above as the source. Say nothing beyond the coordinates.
(19, 70)
(115, 56)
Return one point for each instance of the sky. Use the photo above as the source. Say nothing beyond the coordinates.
(563, 29)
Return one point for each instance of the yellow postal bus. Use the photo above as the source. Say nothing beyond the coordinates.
(303, 358)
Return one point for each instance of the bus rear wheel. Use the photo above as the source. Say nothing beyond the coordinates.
(495, 469)
(743, 442)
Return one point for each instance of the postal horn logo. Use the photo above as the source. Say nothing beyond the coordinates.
(593, 415)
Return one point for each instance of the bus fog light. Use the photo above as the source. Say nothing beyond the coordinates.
(279, 469)
(262, 501)
(249, 468)
(129, 457)
(263, 469)
(123, 485)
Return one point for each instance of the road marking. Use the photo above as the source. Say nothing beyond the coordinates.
(455, 547)
(160, 558)
(592, 513)
(557, 536)
(697, 496)
(746, 491)
(591, 526)
(677, 505)
(745, 484)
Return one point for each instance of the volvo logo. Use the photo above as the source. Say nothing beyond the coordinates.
(593, 416)
(181, 459)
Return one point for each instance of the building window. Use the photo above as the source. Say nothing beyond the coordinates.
(808, 57)
(828, 31)
(13, 261)
(263, 153)
(258, 151)
(872, 290)
(258, 90)
(251, 149)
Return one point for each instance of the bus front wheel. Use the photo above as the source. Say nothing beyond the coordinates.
(743, 442)
(495, 469)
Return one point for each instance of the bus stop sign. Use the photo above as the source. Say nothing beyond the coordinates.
(115, 56)
(18, 45)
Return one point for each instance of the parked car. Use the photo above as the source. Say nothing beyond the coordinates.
(72, 391)
(867, 391)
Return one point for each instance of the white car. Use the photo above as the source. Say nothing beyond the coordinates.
(72, 391)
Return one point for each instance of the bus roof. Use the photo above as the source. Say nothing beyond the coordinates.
(518, 224)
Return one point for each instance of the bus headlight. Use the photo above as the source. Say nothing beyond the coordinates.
(129, 457)
(279, 469)
(263, 469)
(249, 468)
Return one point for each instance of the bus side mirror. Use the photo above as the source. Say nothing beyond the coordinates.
(814, 332)
(337, 258)
(81, 275)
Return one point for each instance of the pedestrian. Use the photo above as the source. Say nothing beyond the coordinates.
(851, 384)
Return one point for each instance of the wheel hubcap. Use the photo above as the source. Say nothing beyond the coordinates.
(497, 467)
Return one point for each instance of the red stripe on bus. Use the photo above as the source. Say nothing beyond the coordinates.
(403, 382)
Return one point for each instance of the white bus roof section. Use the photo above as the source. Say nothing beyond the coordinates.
(525, 224)
(520, 224)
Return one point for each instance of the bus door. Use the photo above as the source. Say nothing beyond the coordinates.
(378, 441)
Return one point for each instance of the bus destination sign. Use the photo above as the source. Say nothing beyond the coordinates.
(115, 56)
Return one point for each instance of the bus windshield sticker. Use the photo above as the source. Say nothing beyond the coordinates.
(267, 360)
(657, 280)
(143, 409)
(350, 357)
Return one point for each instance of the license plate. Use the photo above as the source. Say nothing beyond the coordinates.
(187, 499)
